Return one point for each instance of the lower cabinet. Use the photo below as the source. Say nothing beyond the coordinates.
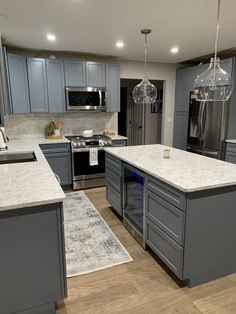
(167, 249)
(114, 183)
(32, 264)
(230, 154)
(59, 159)
(119, 143)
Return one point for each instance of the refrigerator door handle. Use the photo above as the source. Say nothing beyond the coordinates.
(196, 150)
(202, 123)
(199, 123)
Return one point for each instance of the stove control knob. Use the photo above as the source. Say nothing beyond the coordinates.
(101, 142)
(109, 143)
(83, 144)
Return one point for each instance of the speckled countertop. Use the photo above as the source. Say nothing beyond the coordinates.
(185, 171)
(31, 183)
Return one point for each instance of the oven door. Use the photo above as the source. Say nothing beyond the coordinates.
(81, 165)
(85, 98)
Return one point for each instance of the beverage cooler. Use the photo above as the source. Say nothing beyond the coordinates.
(133, 209)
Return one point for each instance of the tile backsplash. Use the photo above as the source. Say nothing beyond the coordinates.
(32, 125)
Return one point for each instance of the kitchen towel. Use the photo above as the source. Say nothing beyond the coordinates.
(93, 156)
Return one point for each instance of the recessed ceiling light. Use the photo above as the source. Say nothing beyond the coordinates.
(51, 37)
(174, 50)
(119, 44)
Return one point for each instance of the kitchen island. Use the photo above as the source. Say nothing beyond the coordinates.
(189, 213)
(32, 263)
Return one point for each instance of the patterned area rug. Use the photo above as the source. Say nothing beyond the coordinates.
(90, 243)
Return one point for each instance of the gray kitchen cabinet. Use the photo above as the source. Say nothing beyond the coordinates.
(18, 81)
(37, 85)
(180, 130)
(32, 264)
(95, 74)
(75, 74)
(56, 85)
(113, 87)
(114, 183)
(230, 154)
(185, 230)
(119, 143)
(59, 159)
(5, 106)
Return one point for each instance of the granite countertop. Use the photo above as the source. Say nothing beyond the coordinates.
(185, 171)
(31, 183)
(118, 137)
(233, 141)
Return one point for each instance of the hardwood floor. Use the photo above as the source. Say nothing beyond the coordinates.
(144, 285)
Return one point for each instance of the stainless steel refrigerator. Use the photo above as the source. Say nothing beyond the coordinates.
(207, 127)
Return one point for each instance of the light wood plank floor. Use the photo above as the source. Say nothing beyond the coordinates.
(144, 285)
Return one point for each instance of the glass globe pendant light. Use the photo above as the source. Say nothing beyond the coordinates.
(145, 92)
(214, 84)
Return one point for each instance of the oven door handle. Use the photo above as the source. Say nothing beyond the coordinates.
(84, 149)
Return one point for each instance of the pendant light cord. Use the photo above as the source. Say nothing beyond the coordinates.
(217, 29)
(145, 56)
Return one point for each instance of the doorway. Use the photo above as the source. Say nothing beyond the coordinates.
(141, 124)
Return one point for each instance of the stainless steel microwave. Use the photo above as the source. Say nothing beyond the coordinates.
(85, 98)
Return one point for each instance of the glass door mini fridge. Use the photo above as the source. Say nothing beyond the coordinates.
(133, 208)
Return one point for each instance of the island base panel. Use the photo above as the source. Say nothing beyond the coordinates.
(210, 236)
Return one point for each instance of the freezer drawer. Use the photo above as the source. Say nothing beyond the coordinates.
(204, 152)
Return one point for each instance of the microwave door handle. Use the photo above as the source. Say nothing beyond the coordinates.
(100, 98)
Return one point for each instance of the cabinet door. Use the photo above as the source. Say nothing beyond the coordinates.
(37, 85)
(113, 87)
(56, 85)
(74, 73)
(18, 83)
(95, 74)
(6, 106)
(31, 264)
(180, 130)
(230, 157)
(61, 165)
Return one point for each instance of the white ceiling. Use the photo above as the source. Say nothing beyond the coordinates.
(94, 26)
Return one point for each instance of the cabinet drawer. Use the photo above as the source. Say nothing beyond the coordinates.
(55, 148)
(113, 197)
(114, 176)
(119, 143)
(166, 248)
(170, 194)
(115, 162)
(165, 216)
(230, 157)
(231, 148)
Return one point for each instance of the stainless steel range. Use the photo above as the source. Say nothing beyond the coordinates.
(88, 160)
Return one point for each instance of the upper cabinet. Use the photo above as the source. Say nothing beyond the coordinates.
(95, 74)
(18, 82)
(74, 73)
(37, 85)
(56, 85)
(113, 87)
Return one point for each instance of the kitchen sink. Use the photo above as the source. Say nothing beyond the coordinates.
(12, 158)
